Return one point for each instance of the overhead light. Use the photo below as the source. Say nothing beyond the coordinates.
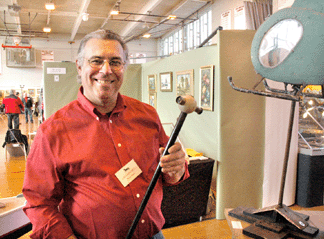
(85, 16)
(49, 6)
(172, 17)
(47, 29)
(147, 35)
(114, 12)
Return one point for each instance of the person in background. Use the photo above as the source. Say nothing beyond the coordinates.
(17, 94)
(28, 103)
(91, 162)
(13, 107)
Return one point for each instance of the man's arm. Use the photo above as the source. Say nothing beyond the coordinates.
(174, 165)
(21, 105)
(43, 190)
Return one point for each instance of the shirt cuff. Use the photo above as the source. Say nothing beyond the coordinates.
(184, 177)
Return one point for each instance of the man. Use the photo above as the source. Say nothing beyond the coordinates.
(13, 107)
(92, 161)
(28, 103)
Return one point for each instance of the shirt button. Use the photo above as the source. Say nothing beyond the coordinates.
(143, 221)
(110, 121)
(119, 145)
(137, 195)
(97, 118)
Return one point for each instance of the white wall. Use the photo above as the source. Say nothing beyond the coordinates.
(12, 78)
(63, 51)
(221, 6)
(32, 77)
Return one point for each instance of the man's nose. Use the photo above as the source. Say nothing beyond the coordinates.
(106, 68)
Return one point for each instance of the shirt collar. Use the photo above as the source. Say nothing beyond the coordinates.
(120, 105)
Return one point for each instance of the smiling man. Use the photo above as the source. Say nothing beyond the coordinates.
(92, 161)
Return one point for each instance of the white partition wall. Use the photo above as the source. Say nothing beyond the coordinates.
(60, 85)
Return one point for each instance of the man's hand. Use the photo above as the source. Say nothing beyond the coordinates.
(173, 164)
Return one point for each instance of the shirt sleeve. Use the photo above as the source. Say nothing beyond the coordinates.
(43, 190)
(184, 177)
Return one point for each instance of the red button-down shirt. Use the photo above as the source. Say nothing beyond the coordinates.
(73, 161)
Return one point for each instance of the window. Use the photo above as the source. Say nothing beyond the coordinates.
(189, 37)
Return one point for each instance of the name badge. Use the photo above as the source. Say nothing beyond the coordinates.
(128, 173)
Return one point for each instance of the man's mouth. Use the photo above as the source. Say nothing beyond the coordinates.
(104, 82)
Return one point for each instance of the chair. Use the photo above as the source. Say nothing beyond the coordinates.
(16, 144)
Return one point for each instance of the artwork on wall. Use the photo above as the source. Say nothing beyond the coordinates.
(152, 99)
(31, 93)
(206, 87)
(166, 81)
(185, 82)
(151, 83)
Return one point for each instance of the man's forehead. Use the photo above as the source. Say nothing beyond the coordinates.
(104, 46)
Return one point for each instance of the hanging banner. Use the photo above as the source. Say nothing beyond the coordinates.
(226, 20)
(239, 18)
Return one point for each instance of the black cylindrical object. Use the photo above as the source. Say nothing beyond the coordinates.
(310, 180)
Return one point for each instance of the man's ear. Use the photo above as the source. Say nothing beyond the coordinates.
(78, 65)
(79, 72)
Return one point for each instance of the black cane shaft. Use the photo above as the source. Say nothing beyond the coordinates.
(156, 175)
(288, 142)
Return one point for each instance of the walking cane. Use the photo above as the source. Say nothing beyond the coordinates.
(187, 104)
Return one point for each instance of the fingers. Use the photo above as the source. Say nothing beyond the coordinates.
(173, 162)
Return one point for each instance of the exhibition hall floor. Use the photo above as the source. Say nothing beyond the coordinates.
(11, 180)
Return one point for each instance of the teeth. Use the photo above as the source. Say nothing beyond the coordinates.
(104, 81)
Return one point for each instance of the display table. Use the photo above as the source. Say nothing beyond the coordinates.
(13, 220)
(187, 202)
(209, 229)
(237, 226)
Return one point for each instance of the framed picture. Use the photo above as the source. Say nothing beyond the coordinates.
(152, 99)
(166, 81)
(185, 83)
(31, 93)
(151, 83)
(206, 87)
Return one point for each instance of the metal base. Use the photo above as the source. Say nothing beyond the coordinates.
(276, 222)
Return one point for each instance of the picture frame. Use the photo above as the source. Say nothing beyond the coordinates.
(151, 79)
(152, 99)
(31, 93)
(166, 82)
(185, 82)
(206, 88)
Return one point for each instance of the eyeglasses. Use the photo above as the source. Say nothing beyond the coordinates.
(97, 63)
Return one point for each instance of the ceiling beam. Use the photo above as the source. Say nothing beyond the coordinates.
(109, 15)
(53, 13)
(166, 19)
(148, 7)
(17, 18)
(83, 9)
(131, 26)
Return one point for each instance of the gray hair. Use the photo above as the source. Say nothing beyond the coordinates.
(104, 35)
(12, 92)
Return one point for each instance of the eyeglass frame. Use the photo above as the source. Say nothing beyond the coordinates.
(98, 67)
